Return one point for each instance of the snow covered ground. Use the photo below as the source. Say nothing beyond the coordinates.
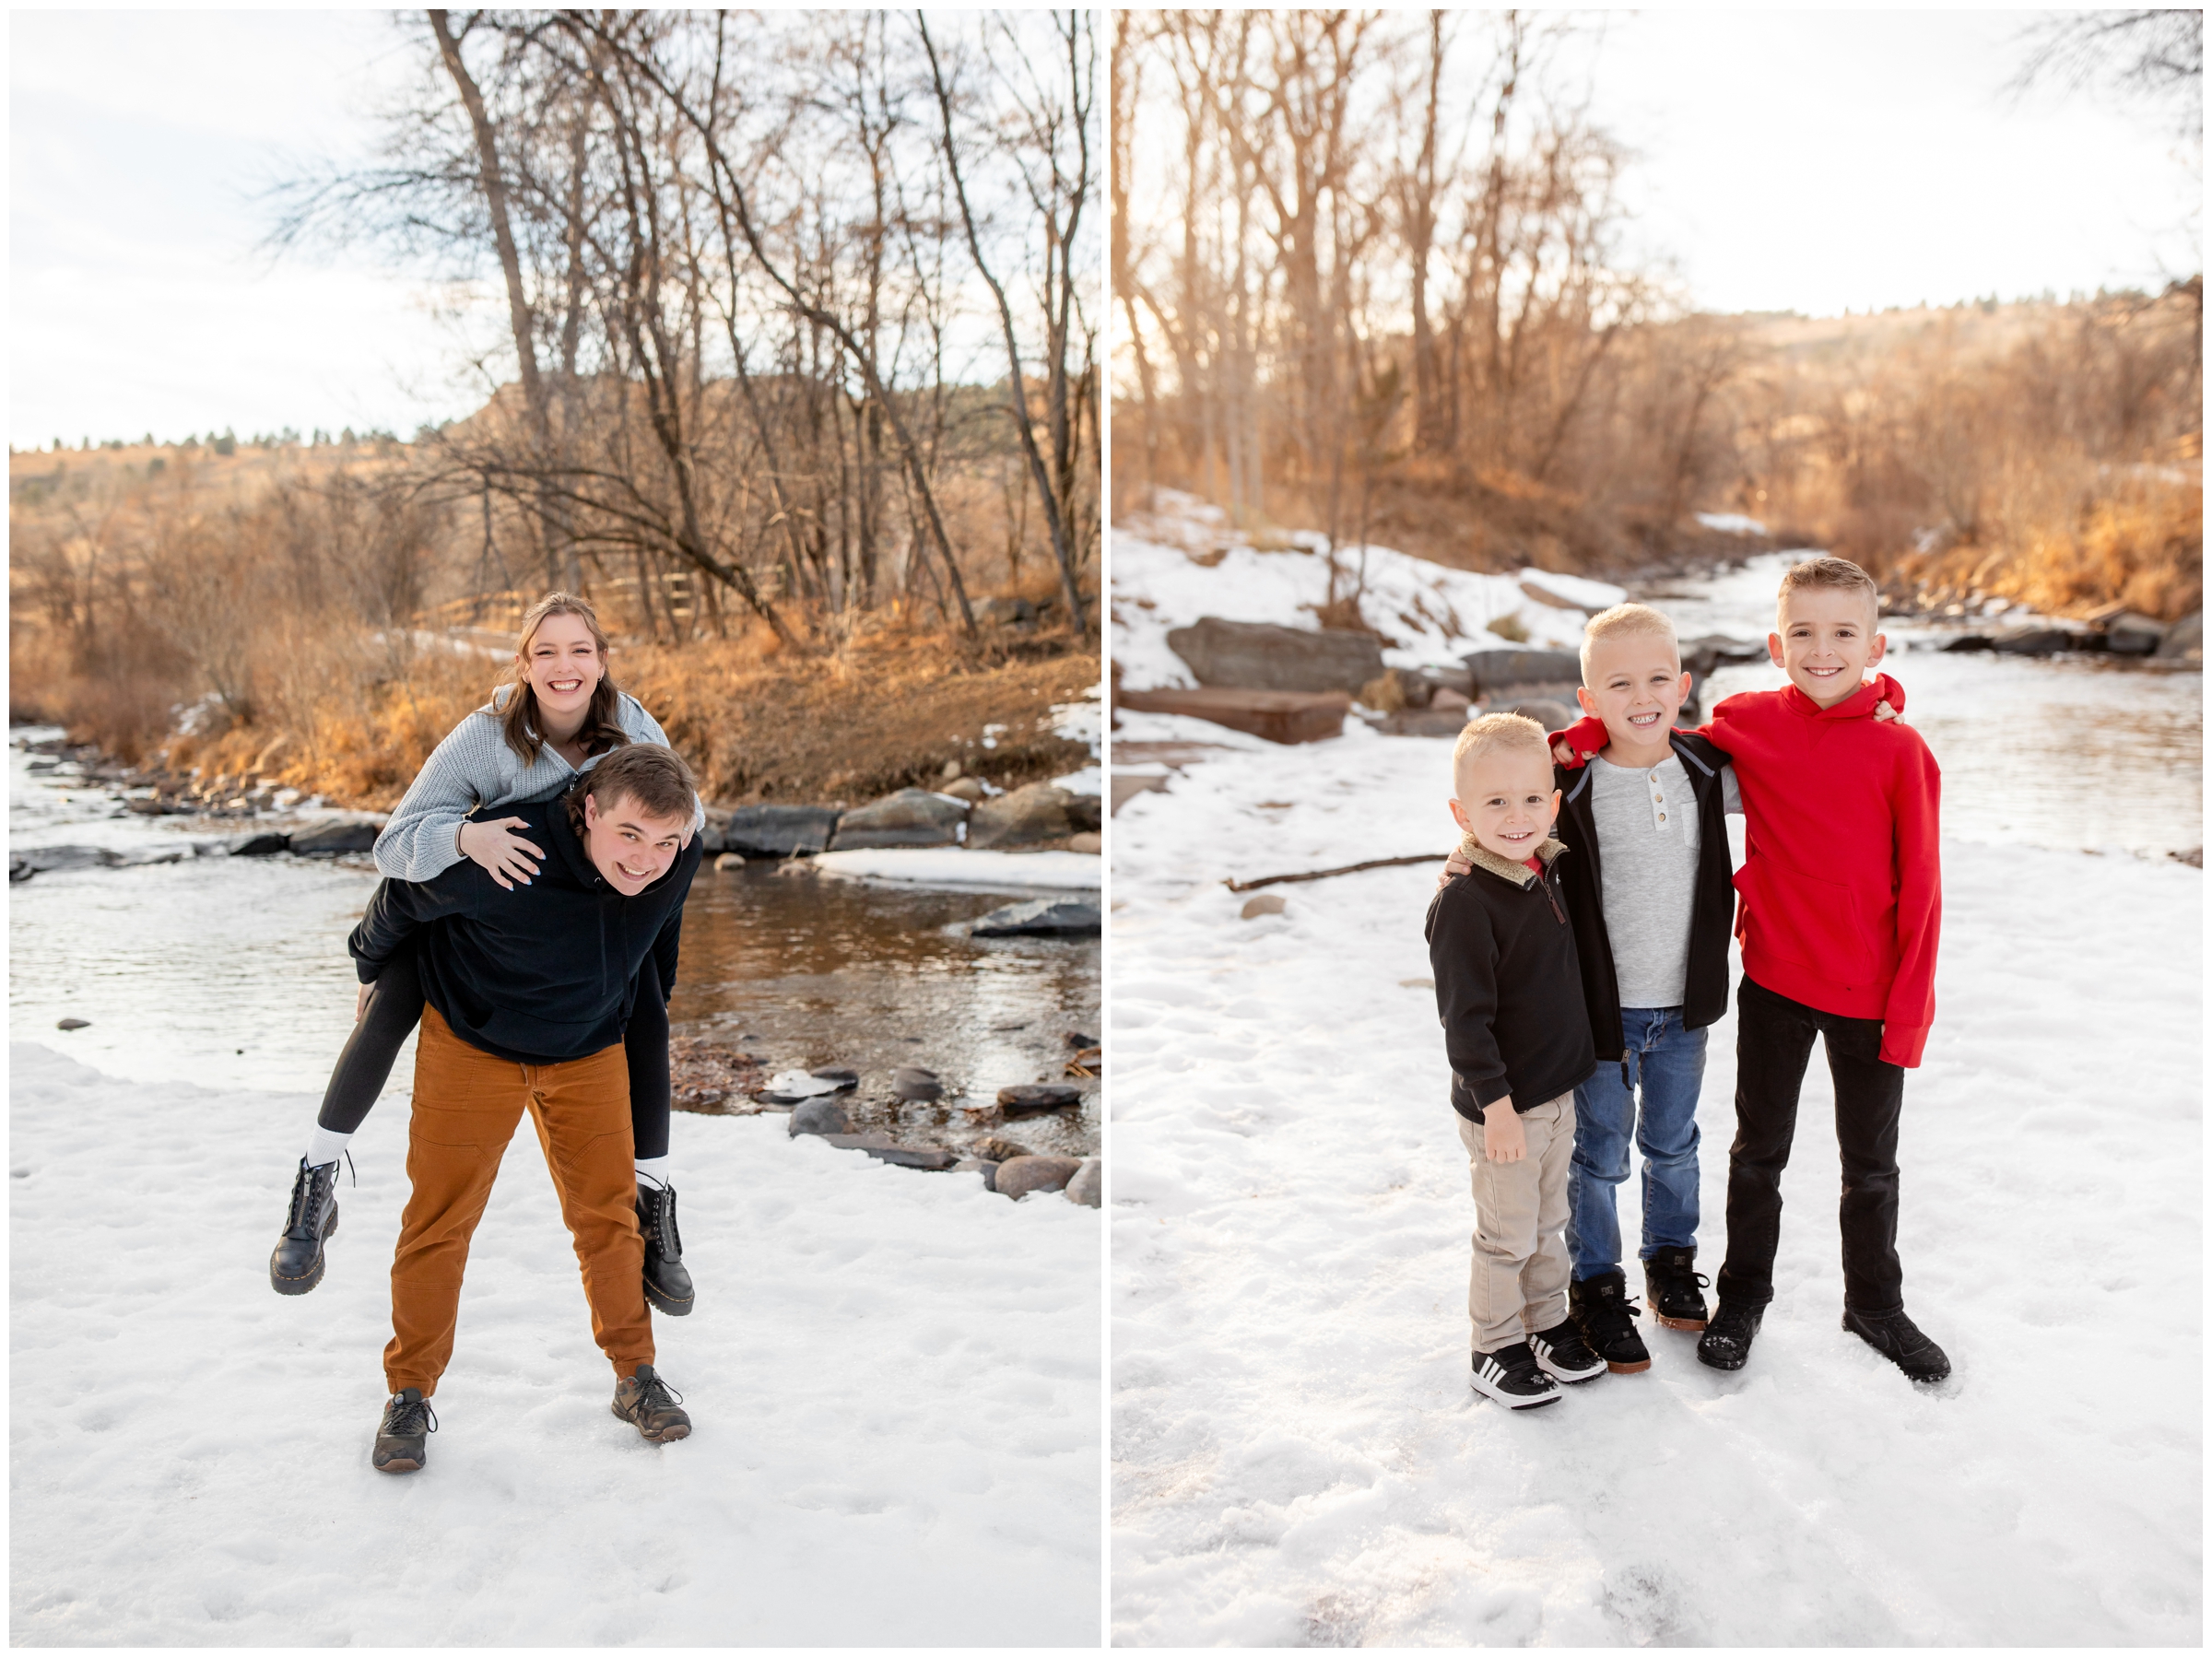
(954, 866)
(1182, 562)
(1299, 1459)
(894, 1379)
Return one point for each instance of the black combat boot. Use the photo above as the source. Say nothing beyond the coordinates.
(1673, 1288)
(644, 1401)
(402, 1439)
(1726, 1342)
(296, 1266)
(1898, 1339)
(1601, 1310)
(667, 1284)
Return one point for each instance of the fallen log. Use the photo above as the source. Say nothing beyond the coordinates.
(1349, 868)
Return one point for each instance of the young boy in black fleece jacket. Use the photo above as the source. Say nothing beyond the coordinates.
(1509, 994)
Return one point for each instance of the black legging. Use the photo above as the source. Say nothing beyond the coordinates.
(396, 1007)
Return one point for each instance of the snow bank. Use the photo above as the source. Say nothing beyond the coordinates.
(894, 1379)
(952, 865)
(1577, 591)
(1299, 1458)
(1429, 613)
(1732, 523)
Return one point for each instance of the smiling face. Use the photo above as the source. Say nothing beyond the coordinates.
(564, 666)
(1635, 683)
(630, 848)
(1827, 642)
(1506, 800)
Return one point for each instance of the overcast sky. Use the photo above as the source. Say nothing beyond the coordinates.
(1786, 161)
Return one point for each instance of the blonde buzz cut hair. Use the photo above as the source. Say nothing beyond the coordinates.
(1496, 733)
(1624, 620)
(1840, 574)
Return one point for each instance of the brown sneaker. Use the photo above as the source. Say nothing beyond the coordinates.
(644, 1401)
(403, 1438)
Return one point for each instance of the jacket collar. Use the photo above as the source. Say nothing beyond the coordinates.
(1859, 704)
(1505, 868)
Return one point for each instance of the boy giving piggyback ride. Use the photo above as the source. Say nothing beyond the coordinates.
(1580, 942)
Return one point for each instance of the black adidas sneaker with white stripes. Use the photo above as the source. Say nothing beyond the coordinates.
(1511, 1376)
(1564, 1355)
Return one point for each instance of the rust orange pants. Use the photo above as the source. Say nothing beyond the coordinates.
(467, 1105)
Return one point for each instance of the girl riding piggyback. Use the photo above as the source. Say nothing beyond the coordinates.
(557, 715)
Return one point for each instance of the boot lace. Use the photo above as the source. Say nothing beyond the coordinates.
(653, 1394)
(659, 1228)
(404, 1421)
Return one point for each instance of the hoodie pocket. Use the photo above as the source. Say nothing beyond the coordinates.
(1802, 918)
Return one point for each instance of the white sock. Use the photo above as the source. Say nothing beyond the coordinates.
(322, 1145)
(654, 1168)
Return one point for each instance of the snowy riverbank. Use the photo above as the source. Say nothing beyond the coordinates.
(894, 1379)
(1298, 1457)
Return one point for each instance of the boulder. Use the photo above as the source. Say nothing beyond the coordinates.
(913, 816)
(1125, 788)
(819, 1115)
(1498, 672)
(1022, 1175)
(1552, 715)
(1703, 654)
(1284, 716)
(258, 845)
(1394, 688)
(1042, 918)
(2041, 638)
(1085, 812)
(1435, 721)
(2185, 638)
(1040, 1095)
(775, 831)
(327, 840)
(964, 788)
(1088, 1186)
(912, 1082)
(1252, 655)
(924, 1156)
(2132, 634)
(1024, 817)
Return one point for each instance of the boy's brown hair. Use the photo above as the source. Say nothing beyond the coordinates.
(1839, 573)
(1495, 731)
(1622, 620)
(655, 777)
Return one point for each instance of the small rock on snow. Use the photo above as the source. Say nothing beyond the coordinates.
(1266, 903)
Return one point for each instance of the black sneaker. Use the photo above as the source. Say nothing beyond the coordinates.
(667, 1284)
(1898, 1339)
(1673, 1288)
(1511, 1376)
(644, 1401)
(1601, 1311)
(1726, 1342)
(1562, 1356)
(403, 1440)
(296, 1266)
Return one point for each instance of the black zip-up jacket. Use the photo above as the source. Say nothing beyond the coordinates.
(1507, 991)
(541, 974)
(1713, 902)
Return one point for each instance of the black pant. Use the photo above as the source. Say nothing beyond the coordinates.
(1773, 1043)
(396, 1007)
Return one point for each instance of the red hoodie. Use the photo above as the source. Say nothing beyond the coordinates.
(1842, 894)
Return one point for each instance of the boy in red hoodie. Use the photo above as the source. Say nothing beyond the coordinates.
(1841, 902)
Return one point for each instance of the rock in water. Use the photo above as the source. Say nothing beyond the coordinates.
(924, 1156)
(777, 832)
(978, 1165)
(2185, 640)
(840, 1080)
(913, 816)
(1252, 655)
(1038, 812)
(1088, 1186)
(1043, 917)
(912, 1082)
(727, 861)
(999, 1150)
(1018, 1178)
(822, 1115)
(327, 840)
(259, 845)
(1039, 1096)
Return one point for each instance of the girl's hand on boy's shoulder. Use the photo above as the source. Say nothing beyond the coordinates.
(1503, 1138)
(506, 857)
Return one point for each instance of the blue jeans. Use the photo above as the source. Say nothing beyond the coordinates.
(1669, 1064)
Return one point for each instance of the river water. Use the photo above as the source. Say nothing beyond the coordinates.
(2079, 752)
(232, 972)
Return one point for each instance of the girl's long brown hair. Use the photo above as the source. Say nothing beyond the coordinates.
(518, 715)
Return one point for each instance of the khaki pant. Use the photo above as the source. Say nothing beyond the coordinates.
(1518, 1279)
(467, 1105)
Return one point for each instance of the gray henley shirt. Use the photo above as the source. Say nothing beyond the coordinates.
(1647, 844)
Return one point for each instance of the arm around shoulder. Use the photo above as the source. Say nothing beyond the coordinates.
(1915, 804)
(417, 842)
